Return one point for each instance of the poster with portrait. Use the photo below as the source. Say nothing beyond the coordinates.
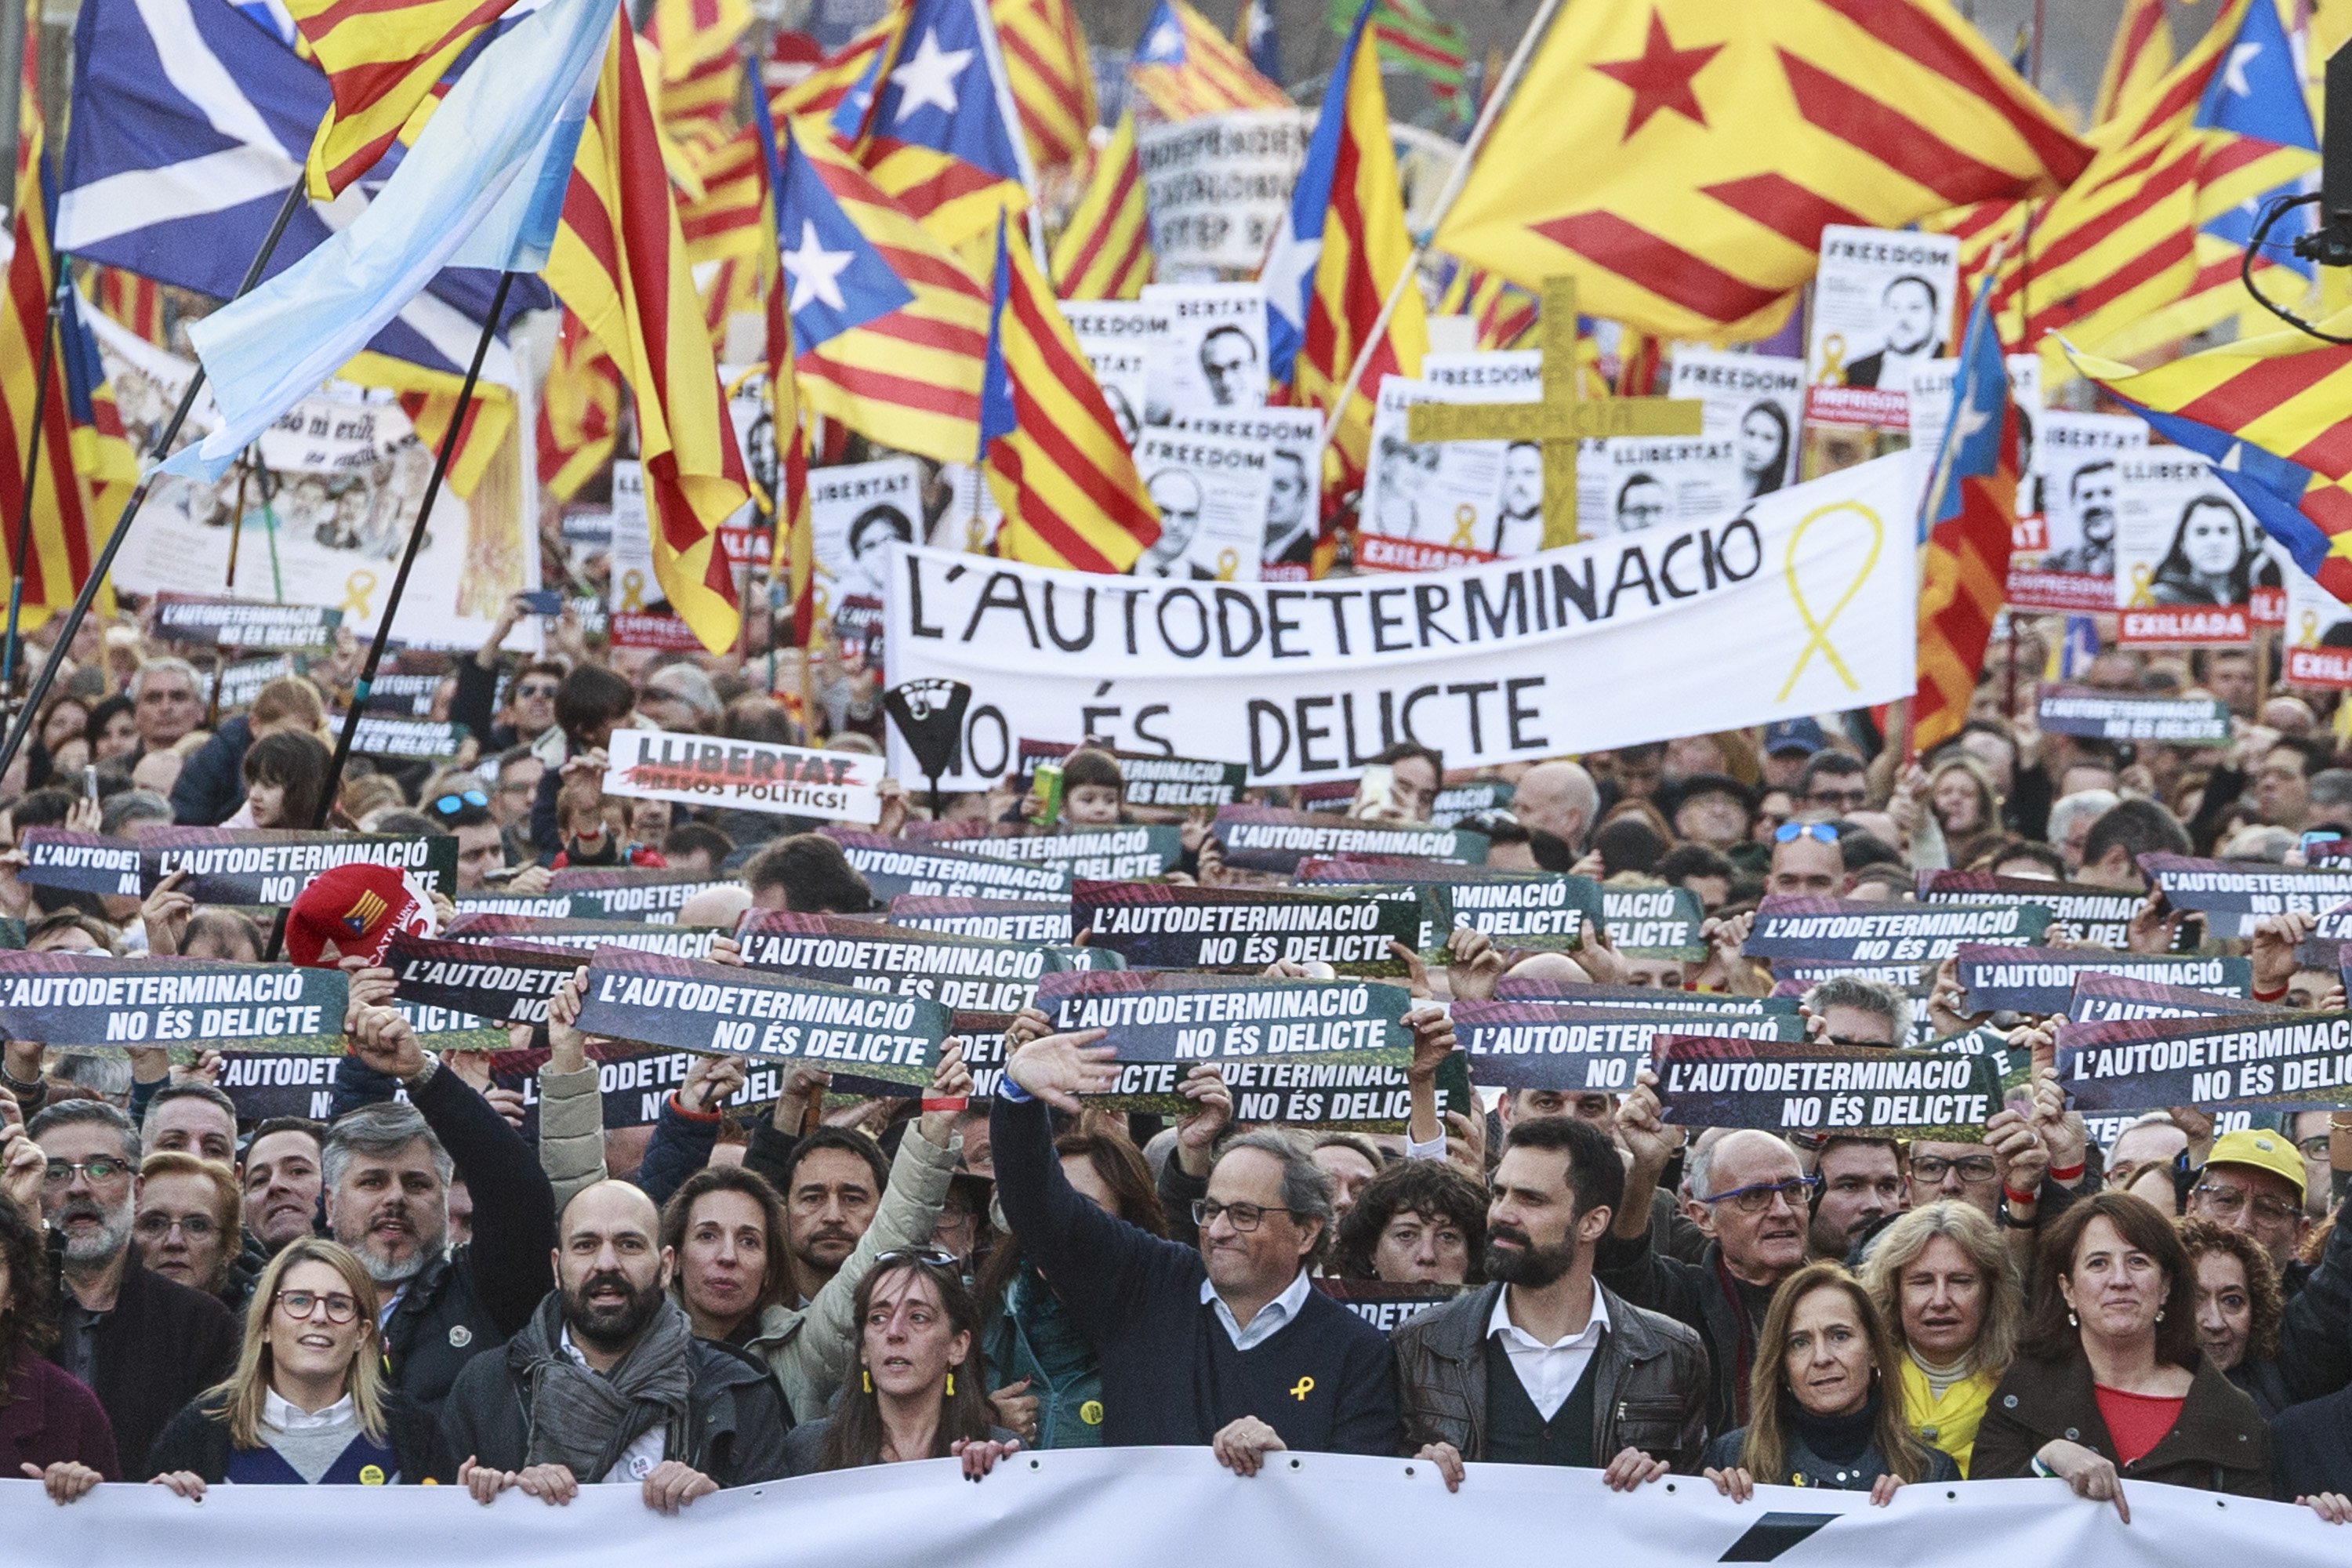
(636, 606)
(2077, 485)
(1931, 389)
(1882, 303)
(1629, 483)
(1428, 505)
(1214, 357)
(1756, 400)
(972, 517)
(1294, 483)
(746, 536)
(857, 511)
(2188, 553)
(1120, 337)
(1212, 493)
(2319, 633)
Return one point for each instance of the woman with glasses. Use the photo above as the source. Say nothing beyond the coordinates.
(1823, 1410)
(919, 1327)
(308, 1404)
(187, 1226)
(1951, 1295)
(2239, 1310)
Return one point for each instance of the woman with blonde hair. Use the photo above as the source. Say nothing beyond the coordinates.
(1947, 1285)
(308, 1404)
(1824, 1409)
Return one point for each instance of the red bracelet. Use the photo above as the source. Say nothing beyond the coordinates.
(2071, 1174)
(2017, 1197)
(679, 1105)
(2277, 995)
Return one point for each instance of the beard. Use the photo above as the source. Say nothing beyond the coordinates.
(606, 1326)
(112, 1235)
(385, 1268)
(1527, 1264)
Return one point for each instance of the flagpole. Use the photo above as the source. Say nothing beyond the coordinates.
(408, 559)
(1446, 196)
(32, 474)
(105, 562)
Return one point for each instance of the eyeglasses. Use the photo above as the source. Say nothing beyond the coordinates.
(299, 1304)
(155, 1226)
(1798, 1190)
(931, 1255)
(2228, 1202)
(2314, 1147)
(1975, 1169)
(534, 691)
(101, 1169)
(1789, 832)
(1246, 1218)
(450, 804)
(1843, 799)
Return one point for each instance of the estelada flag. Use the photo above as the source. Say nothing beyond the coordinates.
(1680, 158)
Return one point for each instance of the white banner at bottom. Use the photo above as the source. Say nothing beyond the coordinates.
(1166, 1508)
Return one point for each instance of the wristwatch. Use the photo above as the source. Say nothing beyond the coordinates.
(422, 1076)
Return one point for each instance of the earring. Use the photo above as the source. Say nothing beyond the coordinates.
(2159, 1314)
(950, 1385)
(867, 1378)
(2072, 1321)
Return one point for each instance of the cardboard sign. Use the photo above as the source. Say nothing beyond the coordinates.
(2117, 999)
(969, 974)
(744, 776)
(2101, 917)
(1267, 838)
(1241, 930)
(1860, 1090)
(2117, 716)
(404, 739)
(1882, 303)
(1654, 922)
(719, 1009)
(1542, 1045)
(1856, 931)
(1646, 998)
(507, 981)
(1167, 783)
(626, 893)
(2239, 894)
(84, 999)
(1468, 800)
(549, 906)
(588, 935)
(892, 866)
(240, 866)
(2041, 980)
(998, 920)
(1387, 1306)
(634, 1085)
(243, 623)
(1509, 905)
(2299, 1062)
(1328, 1040)
(1102, 854)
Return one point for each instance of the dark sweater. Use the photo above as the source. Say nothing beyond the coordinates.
(160, 1346)
(197, 1441)
(1171, 1374)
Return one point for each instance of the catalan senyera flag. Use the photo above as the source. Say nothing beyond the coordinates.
(795, 538)
(1053, 453)
(1343, 251)
(1184, 68)
(1104, 250)
(1971, 510)
(730, 236)
(132, 301)
(694, 34)
(429, 398)
(1415, 41)
(1680, 158)
(2141, 54)
(579, 410)
(383, 61)
(890, 330)
(1053, 77)
(619, 263)
(1505, 314)
(2273, 413)
(841, 75)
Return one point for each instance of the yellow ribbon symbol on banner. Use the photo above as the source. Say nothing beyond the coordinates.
(356, 589)
(1465, 517)
(1817, 629)
(1834, 360)
(1228, 562)
(2310, 638)
(633, 590)
(2141, 598)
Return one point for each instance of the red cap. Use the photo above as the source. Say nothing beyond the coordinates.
(357, 907)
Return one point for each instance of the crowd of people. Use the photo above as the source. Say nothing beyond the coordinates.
(414, 1290)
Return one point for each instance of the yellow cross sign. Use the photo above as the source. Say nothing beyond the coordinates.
(1560, 421)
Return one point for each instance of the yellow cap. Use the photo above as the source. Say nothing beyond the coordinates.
(2264, 1152)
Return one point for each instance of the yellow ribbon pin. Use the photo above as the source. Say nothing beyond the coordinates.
(356, 589)
(1834, 360)
(1465, 520)
(1301, 1389)
(1817, 630)
(975, 537)
(2310, 638)
(2141, 598)
(1228, 562)
(632, 591)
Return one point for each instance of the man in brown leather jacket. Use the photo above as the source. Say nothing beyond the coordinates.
(1545, 1366)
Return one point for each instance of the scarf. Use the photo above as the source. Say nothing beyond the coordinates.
(1840, 1439)
(583, 1419)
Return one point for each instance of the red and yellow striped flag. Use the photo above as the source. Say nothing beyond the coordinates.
(824, 89)
(1052, 75)
(2141, 54)
(382, 59)
(1053, 452)
(619, 262)
(1104, 250)
(579, 410)
(131, 301)
(1184, 68)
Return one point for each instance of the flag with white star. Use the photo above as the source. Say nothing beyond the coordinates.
(938, 129)
(1183, 68)
(1971, 510)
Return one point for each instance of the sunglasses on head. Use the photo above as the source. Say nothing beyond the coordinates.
(451, 803)
(1789, 832)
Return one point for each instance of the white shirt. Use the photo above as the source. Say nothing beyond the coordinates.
(1271, 1318)
(638, 1459)
(1547, 1371)
(290, 1417)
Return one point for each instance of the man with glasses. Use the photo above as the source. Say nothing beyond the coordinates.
(1752, 1201)
(144, 1344)
(2253, 1181)
(1833, 782)
(528, 711)
(1229, 1344)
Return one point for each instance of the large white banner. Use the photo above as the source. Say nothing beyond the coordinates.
(1161, 1508)
(1803, 603)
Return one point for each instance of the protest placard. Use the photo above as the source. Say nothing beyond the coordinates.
(1626, 484)
(1658, 922)
(1316, 1048)
(637, 609)
(508, 983)
(2319, 635)
(444, 1030)
(1577, 1048)
(1294, 489)
(1212, 493)
(244, 866)
(1644, 998)
(2235, 894)
(1387, 1306)
(998, 920)
(404, 739)
(2121, 716)
(1216, 187)
(1104, 853)
(2294, 1062)
(744, 776)
(266, 1084)
(1213, 358)
(94, 999)
(1859, 1090)
(550, 906)
(892, 866)
(1155, 782)
(1882, 304)
(2100, 917)
(722, 1009)
(1430, 504)
(1268, 839)
(627, 892)
(2107, 998)
(1857, 930)
(1119, 338)
(2076, 484)
(856, 512)
(213, 622)
(1458, 801)
(1155, 926)
(635, 1086)
(2041, 980)
(236, 686)
(1504, 905)
(587, 935)
(2188, 557)
(1756, 400)
(967, 973)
